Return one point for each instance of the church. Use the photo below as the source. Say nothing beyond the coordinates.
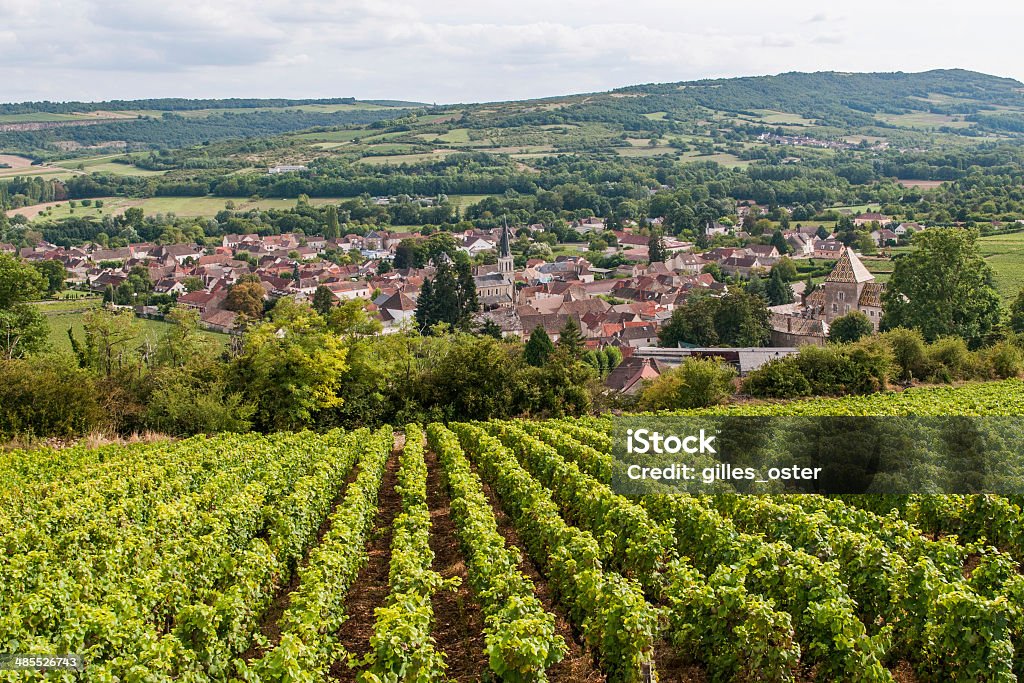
(497, 288)
(849, 287)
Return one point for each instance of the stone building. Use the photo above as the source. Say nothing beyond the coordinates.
(497, 288)
(849, 287)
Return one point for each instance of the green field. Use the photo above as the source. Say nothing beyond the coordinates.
(1005, 253)
(73, 317)
(181, 206)
(41, 117)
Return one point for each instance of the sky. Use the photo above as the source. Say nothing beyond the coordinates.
(447, 51)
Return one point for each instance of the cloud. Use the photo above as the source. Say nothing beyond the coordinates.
(452, 50)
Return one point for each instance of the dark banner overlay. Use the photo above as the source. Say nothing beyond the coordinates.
(827, 455)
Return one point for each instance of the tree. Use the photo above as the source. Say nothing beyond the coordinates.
(696, 383)
(779, 242)
(449, 298)
(55, 273)
(736, 319)
(850, 327)
(111, 339)
(943, 288)
(570, 339)
(19, 282)
(1017, 313)
(332, 228)
(809, 286)
(323, 300)
(755, 286)
(778, 290)
(786, 268)
(192, 284)
(538, 348)
(22, 327)
(490, 329)
(183, 340)
(23, 331)
(246, 298)
(656, 251)
(714, 270)
(290, 367)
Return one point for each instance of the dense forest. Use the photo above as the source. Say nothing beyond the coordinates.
(173, 130)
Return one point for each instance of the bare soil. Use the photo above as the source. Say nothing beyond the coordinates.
(578, 665)
(458, 620)
(371, 587)
(270, 622)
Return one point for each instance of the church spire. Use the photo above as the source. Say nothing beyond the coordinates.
(506, 264)
(505, 249)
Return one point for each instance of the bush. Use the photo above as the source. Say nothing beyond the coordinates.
(850, 327)
(777, 379)
(908, 351)
(833, 370)
(1005, 359)
(949, 359)
(47, 396)
(696, 383)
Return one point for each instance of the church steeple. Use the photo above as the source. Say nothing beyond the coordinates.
(505, 260)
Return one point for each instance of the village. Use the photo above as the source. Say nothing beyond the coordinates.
(622, 307)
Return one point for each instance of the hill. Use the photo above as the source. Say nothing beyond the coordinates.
(825, 110)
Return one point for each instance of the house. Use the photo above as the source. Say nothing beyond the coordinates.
(202, 301)
(830, 248)
(349, 290)
(800, 245)
(884, 237)
(909, 228)
(178, 252)
(629, 376)
(797, 330)
(285, 168)
(741, 265)
(867, 218)
(476, 245)
(766, 254)
(396, 310)
(849, 287)
(219, 320)
(684, 262)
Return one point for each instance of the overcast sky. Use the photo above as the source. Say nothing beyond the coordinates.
(474, 50)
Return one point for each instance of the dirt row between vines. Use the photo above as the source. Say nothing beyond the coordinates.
(578, 666)
(270, 622)
(371, 588)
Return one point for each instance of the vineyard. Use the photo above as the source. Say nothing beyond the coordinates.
(496, 551)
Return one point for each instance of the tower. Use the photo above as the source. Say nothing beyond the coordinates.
(506, 264)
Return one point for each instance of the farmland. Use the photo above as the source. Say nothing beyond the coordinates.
(496, 549)
(1005, 253)
(62, 316)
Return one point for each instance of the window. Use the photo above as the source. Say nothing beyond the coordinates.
(835, 308)
(842, 296)
(847, 309)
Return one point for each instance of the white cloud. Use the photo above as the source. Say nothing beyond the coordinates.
(459, 50)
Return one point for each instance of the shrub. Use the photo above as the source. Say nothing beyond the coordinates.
(1005, 360)
(696, 383)
(777, 379)
(908, 351)
(47, 396)
(949, 359)
(850, 327)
